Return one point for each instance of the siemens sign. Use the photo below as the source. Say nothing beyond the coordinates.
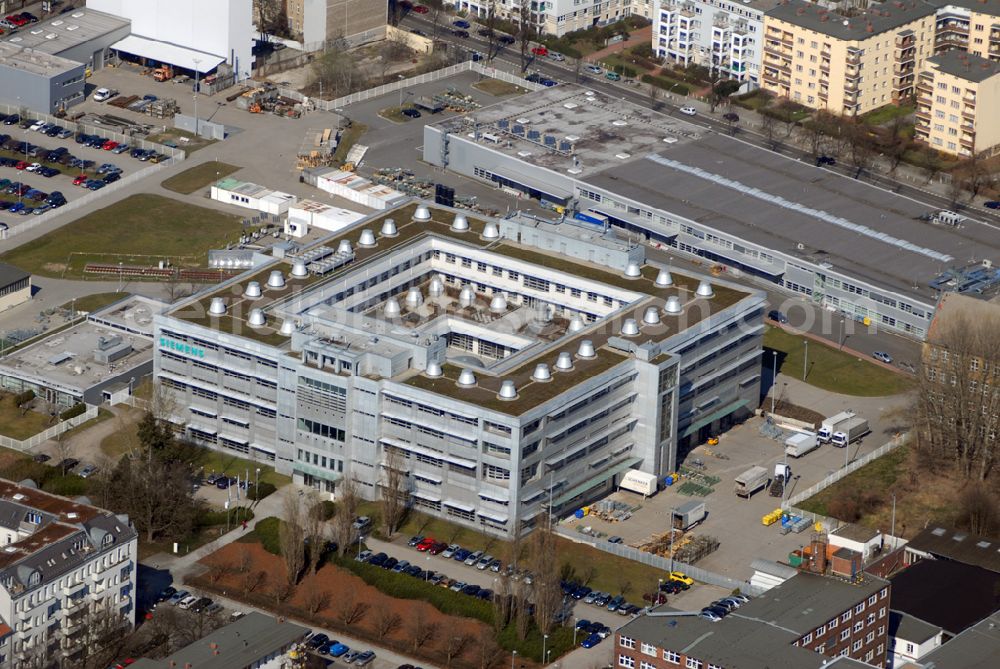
(181, 347)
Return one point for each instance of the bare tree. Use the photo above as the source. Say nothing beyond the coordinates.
(252, 580)
(931, 163)
(490, 23)
(489, 649)
(525, 33)
(860, 150)
(270, 16)
(522, 611)
(344, 515)
(502, 603)
(219, 569)
(313, 531)
(291, 535)
(281, 590)
(654, 97)
(978, 510)
(958, 399)
(395, 496)
(385, 620)
(545, 575)
(434, 14)
(769, 130)
(896, 142)
(419, 628)
(317, 600)
(454, 646)
(349, 609)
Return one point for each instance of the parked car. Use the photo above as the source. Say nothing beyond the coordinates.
(450, 550)
(882, 356)
(400, 566)
(176, 598)
(66, 464)
(102, 94)
(463, 34)
(461, 23)
(473, 558)
(680, 577)
(457, 586)
(425, 545)
(390, 563)
(362, 523)
(591, 641)
(188, 602)
(555, 55)
(992, 204)
(615, 603)
(88, 470)
(41, 457)
(414, 541)
(539, 51)
(339, 649)
(461, 554)
(364, 556)
(364, 658)
(777, 316)
(825, 160)
(593, 69)
(688, 111)
(707, 614)
(317, 640)
(484, 562)
(202, 604)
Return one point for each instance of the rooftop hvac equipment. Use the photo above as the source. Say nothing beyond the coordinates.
(287, 327)
(276, 279)
(434, 370)
(367, 239)
(460, 224)
(533, 135)
(630, 328)
(436, 287)
(253, 290)
(586, 350)
(490, 231)
(217, 306)
(518, 129)
(673, 305)
(256, 318)
(467, 297)
(550, 140)
(541, 373)
(651, 316)
(498, 304)
(466, 379)
(422, 213)
(344, 247)
(565, 146)
(389, 228)
(414, 298)
(299, 269)
(663, 279)
(575, 324)
(564, 362)
(704, 289)
(632, 271)
(503, 124)
(391, 308)
(107, 343)
(508, 391)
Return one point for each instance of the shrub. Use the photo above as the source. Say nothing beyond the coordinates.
(266, 532)
(666, 84)
(28, 469)
(560, 641)
(23, 398)
(327, 509)
(211, 518)
(261, 491)
(69, 485)
(73, 411)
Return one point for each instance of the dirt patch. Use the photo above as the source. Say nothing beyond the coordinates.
(55, 267)
(337, 600)
(795, 412)
(499, 88)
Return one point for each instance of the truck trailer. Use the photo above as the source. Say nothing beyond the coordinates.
(801, 443)
(751, 481)
(849, 432)
(832, 424)
(688, 515)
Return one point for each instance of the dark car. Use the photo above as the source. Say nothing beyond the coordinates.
(485, 594)
(67, 464)
(13, 119)
(731, 117)
(201, 605)
(41, 457)
(53, 131)
(777, 316)
(591, 641)
(317, 640)
(414, 541)
(389, 563)
(534, 78)
(166, 594)
(825, 160)
(222, 483)
(379, 559)
(992, 204)
(461, 23)
(112, 177)
(411, 113)
(484, 32)
(461, 554)
(464, 34)
(717, 610)
(506, 39)
(471, 589)
(581, 592)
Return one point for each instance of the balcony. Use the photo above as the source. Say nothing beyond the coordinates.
(905, 57)
(905, 39)
(901, 82)
(968, 142)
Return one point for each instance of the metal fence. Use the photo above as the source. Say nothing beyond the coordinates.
(658, 562)
(54, 431)
(851, 467)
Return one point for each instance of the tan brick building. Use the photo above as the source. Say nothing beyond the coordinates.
(357, 21)
(807, 622)
(847, 63)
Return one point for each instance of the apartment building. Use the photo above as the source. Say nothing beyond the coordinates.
(848, 62)
(452, 349)
(558, 17)
(970, 25)
(958, 98)
(314, 22)
(807, 622)
(67, 571)
(724, 35)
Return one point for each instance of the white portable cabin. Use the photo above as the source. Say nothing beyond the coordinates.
(640, 482)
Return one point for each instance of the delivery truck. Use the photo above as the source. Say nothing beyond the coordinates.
(801, 443)
(751, 481)
(833, 424)
(688, 515)
(849, 432)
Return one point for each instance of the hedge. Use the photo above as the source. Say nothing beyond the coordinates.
(666, 84)
(73, 411)
(261, 490)
(24, 398)
(267, 532)
(68, 485)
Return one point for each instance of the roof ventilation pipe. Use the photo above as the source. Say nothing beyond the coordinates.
(564, 362)
(586, 350)
(217, 306)
(367, 239)
(389, 228)
(630, 328)
(256, 318)
(508, 391)
(253, 290)
(651, 316)
(541, 373)
(663, 279)
(466, 379)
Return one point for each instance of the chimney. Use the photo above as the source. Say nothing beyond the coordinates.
(870, 28)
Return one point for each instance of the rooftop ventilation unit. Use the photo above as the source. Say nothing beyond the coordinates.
(344, 247)
(391, 308)
(253, 290)
(570, 105)
(498, 304)
(704, 289)
(541, 373)
(414, 298)
(257, 318)
(460, 224)
(564, 362)
(533, 135)
(299, 269)
(630, 328)
(503, 123)
(276, 279)
(651, 316)
(434, 370)
(466, 379)
(518, 129)
(389, 228)
(673, 305)
(633, 271)
(586, 350)
(508, 391)
(287, 327)
(467, 297)
(367, 239)
(523, 121)
(575, 324)
(663, 279)
(550, 140)
(565, 146)
(490, 231)
(217, 306)
(436, 287)
(422, 213)
(619, 123)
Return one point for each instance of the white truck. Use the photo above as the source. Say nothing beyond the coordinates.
(801, 443)
(849, 432)
(751, 481)
(832, 424)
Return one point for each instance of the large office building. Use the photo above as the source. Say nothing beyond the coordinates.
(848, 61)
(507, 367)
(67, 571)
(851, 250)
(725, 36)
(808, 622)
(958, 98)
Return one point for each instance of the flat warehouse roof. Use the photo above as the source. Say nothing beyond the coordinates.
(779, 203)
(17, 57)
(65, 31)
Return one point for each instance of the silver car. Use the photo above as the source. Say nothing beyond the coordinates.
(88, 470)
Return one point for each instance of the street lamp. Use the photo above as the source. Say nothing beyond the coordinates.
(197, 61)
(774, 377)
(840, 335)
(513, 657)
(545, 641)
(805, 358)
(574, 631)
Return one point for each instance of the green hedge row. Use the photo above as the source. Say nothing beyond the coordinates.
(73, 411)
(666, 84)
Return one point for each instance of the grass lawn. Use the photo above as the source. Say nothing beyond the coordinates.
(216, 461)
(610, 572)
(755, 101)
(199, 176)
(395, 114)
(139, 230)
(885, 114)
(830, 369)
(17, 426)
(349, 138)
(89, 303)
(499, 88)
(102, 415)
(116, 444)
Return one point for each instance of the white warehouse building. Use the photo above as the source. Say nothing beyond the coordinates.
(457, 350)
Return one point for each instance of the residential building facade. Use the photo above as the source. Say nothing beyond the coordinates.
(558, 17)
(67, 570)
(315, 22)
(848, 63)
(958, 97)
(969, 25)
(500, 387)
(726, 36)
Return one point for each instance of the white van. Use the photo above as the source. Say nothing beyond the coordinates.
(102, 94)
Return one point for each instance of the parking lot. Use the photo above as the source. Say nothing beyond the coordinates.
(732, 520)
